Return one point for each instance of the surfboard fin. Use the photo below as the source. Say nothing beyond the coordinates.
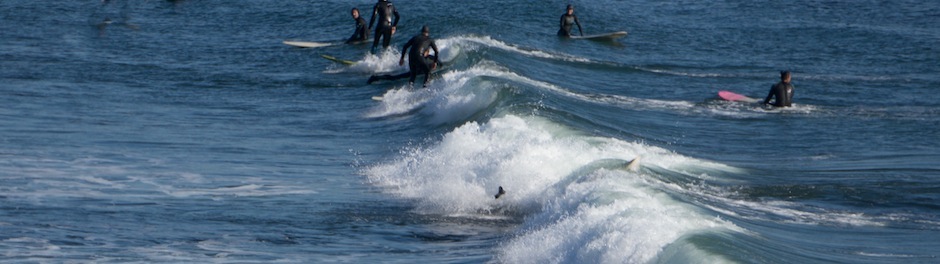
(634, 164)
(500, 192)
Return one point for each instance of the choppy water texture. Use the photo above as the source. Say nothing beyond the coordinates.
(185, 131)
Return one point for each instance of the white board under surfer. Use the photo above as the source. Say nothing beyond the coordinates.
(603, 36)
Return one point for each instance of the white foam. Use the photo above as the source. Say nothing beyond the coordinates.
(490, 42)
(779, 211)
(384, 62)
(454, 96)
(34, 249)
(388, 60)
(599, 215)
(42, 180)
(687, 74)
(618, 219)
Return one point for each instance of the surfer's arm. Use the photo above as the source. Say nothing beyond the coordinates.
(576, 22)
(356, 34)
(437, 54)
(404, 50)
(395, 12)
(375, 10)
(769, 95)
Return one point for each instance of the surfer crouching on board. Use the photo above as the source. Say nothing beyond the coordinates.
(783, 91)
(362, 31)
(418, 60)
(567, 20)
(386, 27)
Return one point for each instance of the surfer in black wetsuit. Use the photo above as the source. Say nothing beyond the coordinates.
(386, 26)
(567, 20)
(418, 60)
(390, 77)
(782, 91)
(362, 31)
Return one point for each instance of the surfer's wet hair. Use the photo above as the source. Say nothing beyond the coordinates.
(784, 74)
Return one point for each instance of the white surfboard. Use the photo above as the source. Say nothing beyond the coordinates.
(307, 44)
(335, 59)
(603, 36)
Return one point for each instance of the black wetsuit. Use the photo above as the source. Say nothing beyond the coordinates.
(566, 22)
(362, 31)
(384, 9)
(417, 62)
(783, 92)
(390, 77)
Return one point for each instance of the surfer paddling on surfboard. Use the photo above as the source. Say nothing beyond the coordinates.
(362, 29)
(386, 26)
(567, 20)
(418, 60)
(782, 91)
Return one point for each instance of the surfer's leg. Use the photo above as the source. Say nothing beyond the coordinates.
(399, 76)
(413, 74)
(375, 41)
(373, 78)
(388, 37)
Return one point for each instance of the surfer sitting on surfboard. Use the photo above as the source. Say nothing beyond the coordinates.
(362, 31)
(567, 20)
(417, 62)
(386, 27)
(783, 91)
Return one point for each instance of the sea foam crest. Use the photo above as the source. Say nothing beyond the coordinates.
(452, 97)
(604, 214)
(474, 42)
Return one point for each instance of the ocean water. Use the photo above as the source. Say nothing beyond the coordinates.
(186, 132)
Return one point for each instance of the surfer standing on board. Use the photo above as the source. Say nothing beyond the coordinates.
(386, 27)
(567, 20)
(362, 31)
(783, 91)
(418, 60)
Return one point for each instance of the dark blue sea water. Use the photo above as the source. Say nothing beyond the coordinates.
(185, 131)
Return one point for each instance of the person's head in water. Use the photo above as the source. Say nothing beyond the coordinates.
(355, 12)
(425, 30)
(785, 76)
(570, 9)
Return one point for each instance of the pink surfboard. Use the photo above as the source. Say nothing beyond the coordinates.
(730, 96)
